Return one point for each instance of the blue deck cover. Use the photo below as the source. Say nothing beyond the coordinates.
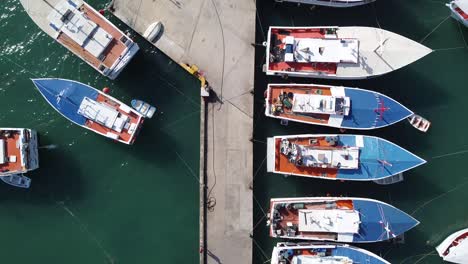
(375, 216)
(370, 110)
(378, 159)
(66, 96)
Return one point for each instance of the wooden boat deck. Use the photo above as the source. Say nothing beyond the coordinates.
(124, 135)
(275, 91)
(282, 164)
(291, 216)
(12, 148)
(111, 54)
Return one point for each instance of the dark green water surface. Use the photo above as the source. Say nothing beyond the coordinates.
(435, 87)
(93, 200)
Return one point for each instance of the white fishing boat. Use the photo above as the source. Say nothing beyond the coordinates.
(338, 52)
(85, 32)
(331, 3)
(17, 180)
(419, 122)
(459, 9)
(455, 247)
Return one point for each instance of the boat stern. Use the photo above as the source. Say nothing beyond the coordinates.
(124, 59)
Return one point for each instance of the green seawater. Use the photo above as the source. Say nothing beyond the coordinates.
(94, 200)
(435, 87)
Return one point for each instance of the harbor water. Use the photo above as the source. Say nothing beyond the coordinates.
(94, 200)
(434, 87)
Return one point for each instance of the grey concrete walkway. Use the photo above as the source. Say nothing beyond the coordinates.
(215, 35)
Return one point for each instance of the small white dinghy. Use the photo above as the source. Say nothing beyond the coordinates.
(143, 108)
(419, 122)
(17, 180)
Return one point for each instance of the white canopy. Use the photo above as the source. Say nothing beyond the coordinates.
(345, 158)
(67, 18)
(102, 114)
(320, 104)
(307, 259)
(329, 220)
(324, 50)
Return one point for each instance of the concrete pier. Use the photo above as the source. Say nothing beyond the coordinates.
(216, 35)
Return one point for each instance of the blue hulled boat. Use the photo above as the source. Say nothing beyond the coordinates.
(303, 253)
(91, 108)
(339, 219)
(338, 157)
(341, 107)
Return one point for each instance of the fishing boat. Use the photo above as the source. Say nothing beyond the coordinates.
(333, 106)
(143, 108)
(17, 180)
(338, 157)
(459, 10)
(338, 52)
(419, 122)
(18, 151)
(91, 108)
(331, 3)
(338, 219)
(455, 247)
(325, 253)
(85, 32)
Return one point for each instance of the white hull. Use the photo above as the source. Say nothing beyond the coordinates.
(304, 245)
(455, 14)
(457, 254)
(380, 52)
(331, 3)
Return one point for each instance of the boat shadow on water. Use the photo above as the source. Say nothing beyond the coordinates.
(58, 179)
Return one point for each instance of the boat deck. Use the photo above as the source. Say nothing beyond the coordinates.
(12, 149)
(291, 216)
(111, 54)
(124, 135)
(276, 91)
(277, 45)
(282, 164)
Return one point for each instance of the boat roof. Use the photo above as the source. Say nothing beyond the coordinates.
(337, 221)
(66, 17)
(324, 49)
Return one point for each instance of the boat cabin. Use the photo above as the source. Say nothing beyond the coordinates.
(314, 155)
(107, 116)
(327, 50)
(334, 220)
(18, 151)
(320, 104)
(90, 36)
